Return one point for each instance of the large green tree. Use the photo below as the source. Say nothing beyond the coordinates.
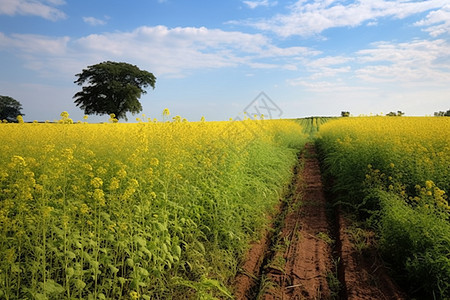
(10, 108)
(112, 88)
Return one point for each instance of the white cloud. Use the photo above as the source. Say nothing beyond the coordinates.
(31, 44)
(163, 51)
(179, 51)
(94, 21)
(438, 21)
(43, 9)
(329, 61)
(324, 73)
(321, 86)
(174, 51)
(308, 18)
(413, 63)
(416, 65)
(255, 4)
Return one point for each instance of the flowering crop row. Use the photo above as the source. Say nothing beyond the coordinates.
(397, 172)
(145, 210)
(312, 125)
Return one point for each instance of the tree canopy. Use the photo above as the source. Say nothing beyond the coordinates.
(395, 114)
(112, 88)
(442, 113)
(10, 108)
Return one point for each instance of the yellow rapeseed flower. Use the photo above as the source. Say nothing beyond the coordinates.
(154, 162)
(96, 182)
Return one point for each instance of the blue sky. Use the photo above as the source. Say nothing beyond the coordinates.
(213, 58)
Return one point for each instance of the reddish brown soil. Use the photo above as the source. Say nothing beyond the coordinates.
(249, 275)
(362, 272)
(297, 261)
(300, 266)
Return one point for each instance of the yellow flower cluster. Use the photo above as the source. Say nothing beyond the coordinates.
(118, 210)
(394, 173)
(399, 154)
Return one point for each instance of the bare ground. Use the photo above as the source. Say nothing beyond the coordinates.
(309, 256)
(362, 272)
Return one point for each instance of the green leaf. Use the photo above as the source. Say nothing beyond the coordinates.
(69, 272)
(143, 272)
(170, 258)
(52, 288)
(122, 280)
(39, 296)
(161, 226)
(141, 241)
(15, 268)
(95, 264)
(177, 250)
(113, 269)
(208, 284)
(201, 246)
(134, 283)
(79, 284)
(130, 262)
(70, 255)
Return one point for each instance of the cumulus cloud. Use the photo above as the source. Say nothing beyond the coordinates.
(182, 48)
(437, 22)
(163, 50)
(414, 64)
(311, 17)
(45, 8)
(179, 51)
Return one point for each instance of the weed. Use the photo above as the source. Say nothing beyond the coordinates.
(325, 237)
(333, 280)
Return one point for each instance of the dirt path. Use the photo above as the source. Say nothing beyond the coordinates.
(302, 257)
(308, 256)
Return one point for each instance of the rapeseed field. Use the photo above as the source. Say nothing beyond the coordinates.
(150, 210)
(394, 172)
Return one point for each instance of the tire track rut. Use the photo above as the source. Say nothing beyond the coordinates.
(304, 237)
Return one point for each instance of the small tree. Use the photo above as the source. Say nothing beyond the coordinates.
(442, 113)
(10, 108)
(113, 88)
(345, 114)
(395, 114)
